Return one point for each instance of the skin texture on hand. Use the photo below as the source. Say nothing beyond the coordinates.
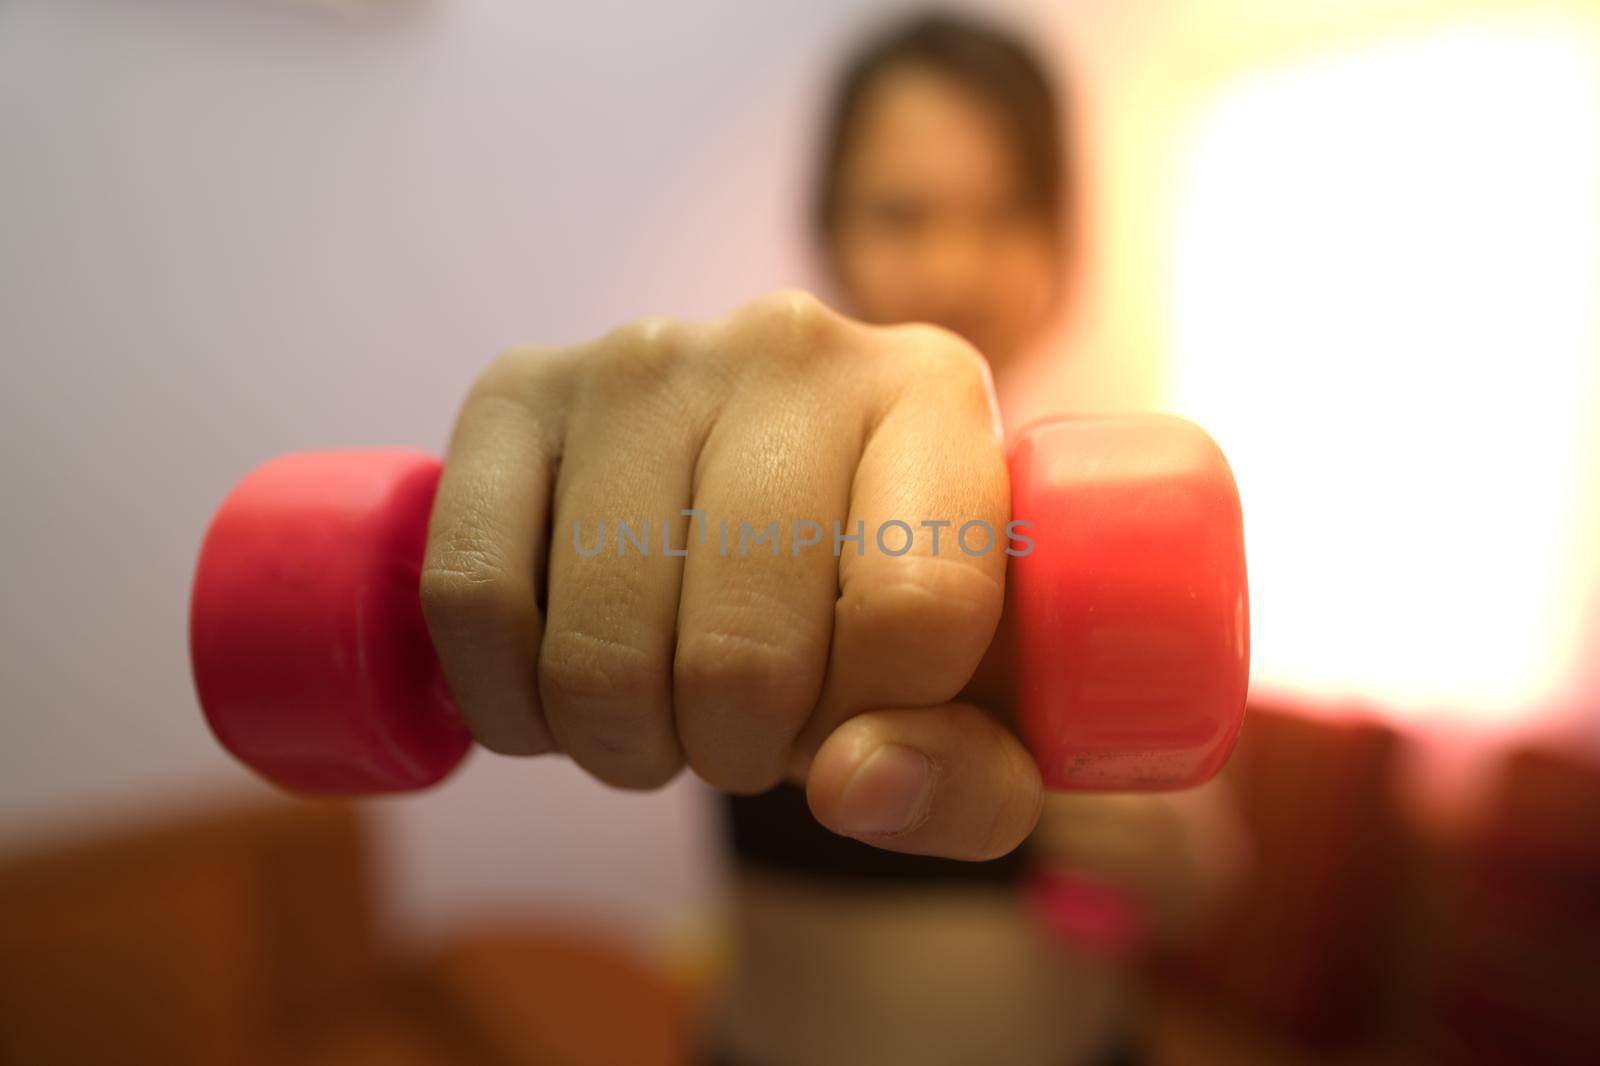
(747, 666)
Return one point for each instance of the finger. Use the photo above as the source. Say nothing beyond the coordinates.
(757, 606)
(948, 781)
(605, 665)
(483, 569)
(921, 594)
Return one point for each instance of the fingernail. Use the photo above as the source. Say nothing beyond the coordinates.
(890, 793)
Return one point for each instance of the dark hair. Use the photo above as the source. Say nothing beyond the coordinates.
(999, 68)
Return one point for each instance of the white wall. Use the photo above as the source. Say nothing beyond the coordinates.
(232, 229)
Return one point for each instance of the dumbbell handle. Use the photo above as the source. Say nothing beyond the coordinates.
(1124, 650)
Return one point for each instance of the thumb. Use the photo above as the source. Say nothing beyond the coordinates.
(946, 781)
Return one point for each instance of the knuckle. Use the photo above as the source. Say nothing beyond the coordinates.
(792, 309)
(787, 325)
(654, 359)
(465, 582)
(723, 673)
(604, 699)
(465, 572)
(934, 620)
(513, 374)
(530, 385)
(945, 358)
(934, 596)
(581, 668)
(650, 347)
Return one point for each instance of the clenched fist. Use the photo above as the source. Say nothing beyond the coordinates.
(769, 546)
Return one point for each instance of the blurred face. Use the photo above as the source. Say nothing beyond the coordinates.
(933, 223)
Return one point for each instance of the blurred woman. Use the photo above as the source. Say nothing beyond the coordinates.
(898, 935)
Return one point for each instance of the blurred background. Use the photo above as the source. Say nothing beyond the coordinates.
(1358, 241)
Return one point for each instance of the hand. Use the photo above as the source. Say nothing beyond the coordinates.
(748, 666)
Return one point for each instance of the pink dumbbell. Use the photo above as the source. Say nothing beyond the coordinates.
(1128, 621)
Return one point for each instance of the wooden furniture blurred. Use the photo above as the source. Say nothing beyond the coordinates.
(1361, 938)
(1293, 968)
(1520, 957)
(248, 936)
(555, 996)
(1301, 946)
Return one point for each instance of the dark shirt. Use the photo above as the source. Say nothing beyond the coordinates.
(776, 832)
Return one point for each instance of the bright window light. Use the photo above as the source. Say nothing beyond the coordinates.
(1384, 307)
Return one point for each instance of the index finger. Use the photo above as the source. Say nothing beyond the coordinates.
(921, 591)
